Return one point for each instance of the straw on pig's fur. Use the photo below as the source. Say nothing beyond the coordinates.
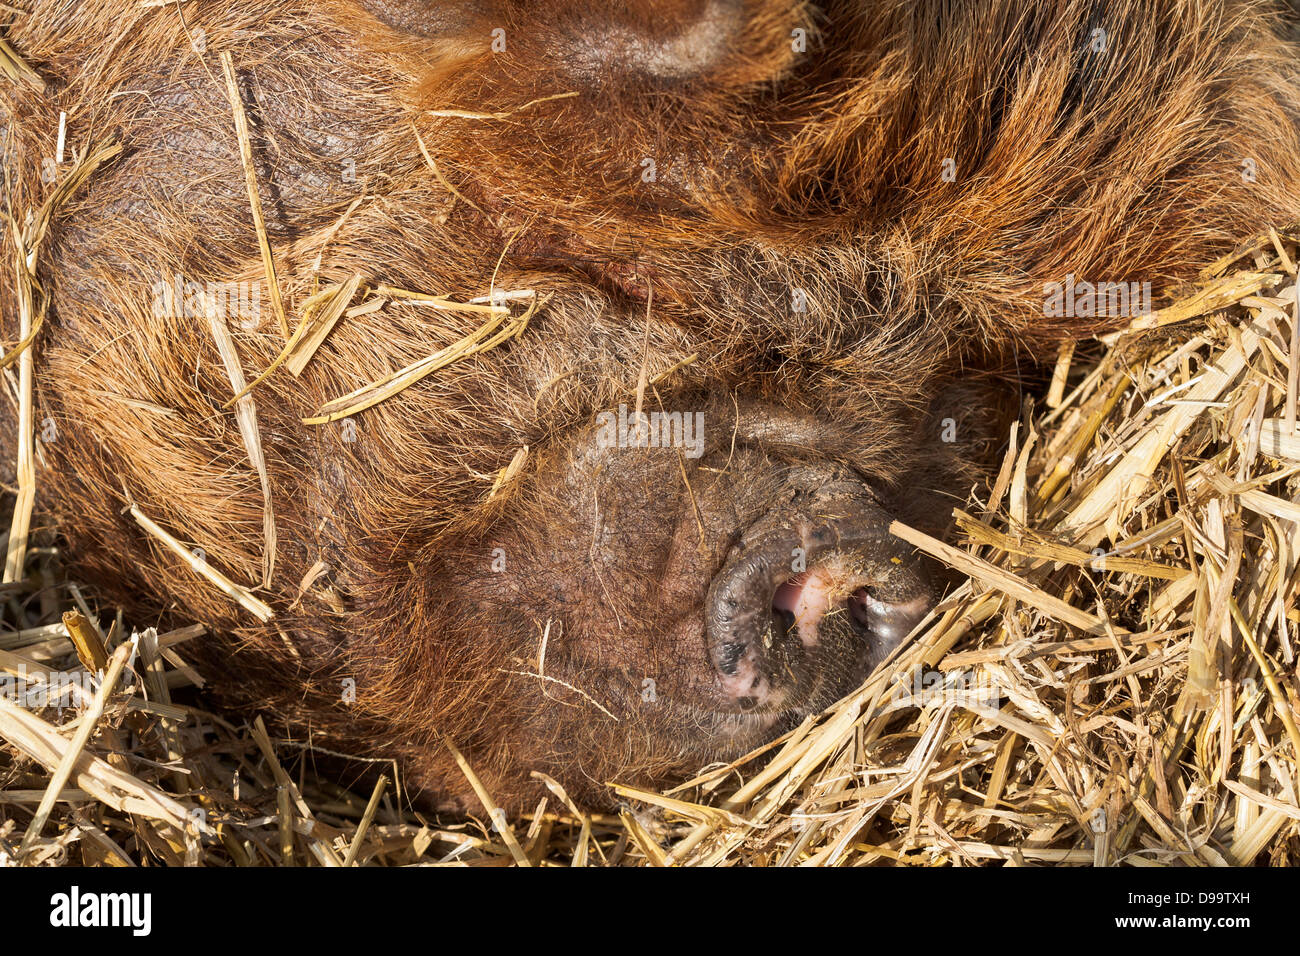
(1115, 683)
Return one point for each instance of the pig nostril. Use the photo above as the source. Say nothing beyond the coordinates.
(862, 604)
(783, 622)
(785, 608)
(890, 621)
(787, 595)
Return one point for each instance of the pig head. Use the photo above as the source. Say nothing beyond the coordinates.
(769, 268)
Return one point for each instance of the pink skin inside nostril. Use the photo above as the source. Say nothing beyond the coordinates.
(807, 597)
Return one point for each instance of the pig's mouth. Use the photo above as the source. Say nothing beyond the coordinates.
(811, 598)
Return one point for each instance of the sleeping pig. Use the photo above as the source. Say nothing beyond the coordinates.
(594, 346)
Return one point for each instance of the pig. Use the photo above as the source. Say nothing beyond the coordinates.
(765, 276)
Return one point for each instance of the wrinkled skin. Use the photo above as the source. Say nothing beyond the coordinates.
(825, 229)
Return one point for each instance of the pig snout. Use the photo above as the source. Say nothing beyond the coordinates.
(814, 593)
(752, 584)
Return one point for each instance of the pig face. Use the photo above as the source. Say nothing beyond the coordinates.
(777, 264)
